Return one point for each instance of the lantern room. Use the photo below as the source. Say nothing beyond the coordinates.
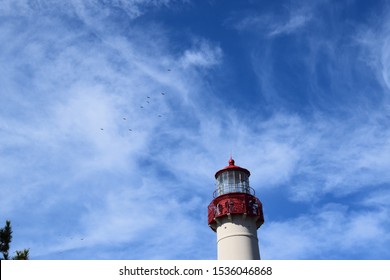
(232, 179)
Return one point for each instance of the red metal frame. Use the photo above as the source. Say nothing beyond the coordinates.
(235, 204)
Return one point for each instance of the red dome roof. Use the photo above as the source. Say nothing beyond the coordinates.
(231, 166)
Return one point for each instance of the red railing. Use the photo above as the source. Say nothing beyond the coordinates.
(233, 204)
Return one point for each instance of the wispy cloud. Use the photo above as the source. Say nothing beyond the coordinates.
(103, 8)
(290, 20)
(87, 105)
(203, 54)
(111, 133)
(375, 44)
(295, 22)
(335, 231)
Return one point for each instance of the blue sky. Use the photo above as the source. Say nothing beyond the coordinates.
(115, 116)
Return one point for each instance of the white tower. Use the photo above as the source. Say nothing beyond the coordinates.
(235, 214)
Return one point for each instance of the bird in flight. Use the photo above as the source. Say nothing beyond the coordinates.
(163, 93)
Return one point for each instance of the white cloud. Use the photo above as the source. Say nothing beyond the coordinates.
(62, 86)
(386, 62)
(375, 52)
(273, 24)
(333, 230)
(294, 23)
(82, 83)
(377, 199)
(203, 54)
(85, 9)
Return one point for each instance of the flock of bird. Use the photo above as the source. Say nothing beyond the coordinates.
(148, 100)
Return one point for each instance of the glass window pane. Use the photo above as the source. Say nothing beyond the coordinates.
(233, 181)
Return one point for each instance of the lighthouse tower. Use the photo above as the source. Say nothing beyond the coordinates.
(235, 214)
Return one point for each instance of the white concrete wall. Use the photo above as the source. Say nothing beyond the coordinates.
(237, 238)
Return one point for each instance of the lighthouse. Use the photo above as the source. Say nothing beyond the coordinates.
(235, 214)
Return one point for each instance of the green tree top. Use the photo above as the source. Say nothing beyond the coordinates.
(5, 240)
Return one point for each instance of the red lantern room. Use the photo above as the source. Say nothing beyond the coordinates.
(234, 196)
